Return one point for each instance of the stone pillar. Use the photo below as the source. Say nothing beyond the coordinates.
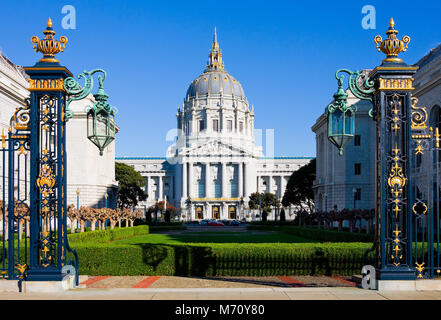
(224, 180)
(190, 179)
(240, 183)
(184, 181)
(161, 188)
(282, 186)
(270, 184)
(246, 179)
(207, 180)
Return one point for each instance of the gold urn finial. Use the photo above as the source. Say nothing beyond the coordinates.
(48, 46)
(392, 46)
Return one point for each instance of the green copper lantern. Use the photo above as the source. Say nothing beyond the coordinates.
(101, 119)
(341, 119)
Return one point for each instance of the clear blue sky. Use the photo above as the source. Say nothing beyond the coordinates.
(284, 53)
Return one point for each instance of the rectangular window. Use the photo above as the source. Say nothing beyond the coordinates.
(229, 125)
(241, 126)
(201, 125)
(357, 169)
(357, 140)
(215, 125)
(217, 189)
(234, 189)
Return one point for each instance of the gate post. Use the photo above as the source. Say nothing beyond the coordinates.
(392, 102)
(389, 88)
(48, 161)
(392, 113)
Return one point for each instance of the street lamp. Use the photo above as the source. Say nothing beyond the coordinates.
(101, 119)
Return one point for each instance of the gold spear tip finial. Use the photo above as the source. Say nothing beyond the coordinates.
(392, 22)
(49, 23)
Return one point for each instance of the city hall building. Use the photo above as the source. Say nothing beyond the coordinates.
(215, 164)
(348, 181)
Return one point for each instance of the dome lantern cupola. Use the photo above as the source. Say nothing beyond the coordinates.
(215, 57)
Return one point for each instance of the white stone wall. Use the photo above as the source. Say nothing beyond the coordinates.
(92, 174)
(335, 175)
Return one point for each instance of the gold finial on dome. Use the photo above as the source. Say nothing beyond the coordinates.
(48, 46)
(215, 57)
(392, 46)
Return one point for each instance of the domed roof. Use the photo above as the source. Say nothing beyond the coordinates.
(215, 80)
(215, 83)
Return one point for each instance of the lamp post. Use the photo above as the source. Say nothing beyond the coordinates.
(106, 206)
(388, 87)
(78, 208)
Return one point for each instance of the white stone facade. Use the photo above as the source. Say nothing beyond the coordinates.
(215, 161)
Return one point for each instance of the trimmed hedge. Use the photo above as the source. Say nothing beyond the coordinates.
(222, 259)
(103, 236)
(317, 234)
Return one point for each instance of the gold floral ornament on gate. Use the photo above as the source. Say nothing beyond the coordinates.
(46, 180)
(392, 46)
(396, 180)
(48, 46)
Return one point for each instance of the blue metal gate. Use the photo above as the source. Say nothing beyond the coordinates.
(426, 194)
(15, 148)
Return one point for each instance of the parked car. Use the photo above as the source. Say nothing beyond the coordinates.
(234, 223)
(215, 224)
(203, 222)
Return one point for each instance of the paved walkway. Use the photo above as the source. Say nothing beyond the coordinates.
(156, 282)
(221, 294)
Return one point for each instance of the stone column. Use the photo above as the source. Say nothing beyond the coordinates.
(190, 179)
(184, 181)
(282, 186)
(240, 184)
(207, 180)
(161, 188)
(270, 184)
(224, 180)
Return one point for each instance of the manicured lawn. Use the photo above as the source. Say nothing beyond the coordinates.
(188, 238)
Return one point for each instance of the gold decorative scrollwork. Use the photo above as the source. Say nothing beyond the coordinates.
(419, 116)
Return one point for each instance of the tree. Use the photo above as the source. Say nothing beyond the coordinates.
(267, 201)
(282, 215)
(299, 188)
(131, 185)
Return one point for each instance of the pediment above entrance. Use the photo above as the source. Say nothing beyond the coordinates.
(216, 149)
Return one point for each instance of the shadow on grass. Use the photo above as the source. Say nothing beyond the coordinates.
(187, 260)
(200, 261)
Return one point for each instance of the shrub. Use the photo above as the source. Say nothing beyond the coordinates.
(223, 260)
(316, 234)
(103, 236)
